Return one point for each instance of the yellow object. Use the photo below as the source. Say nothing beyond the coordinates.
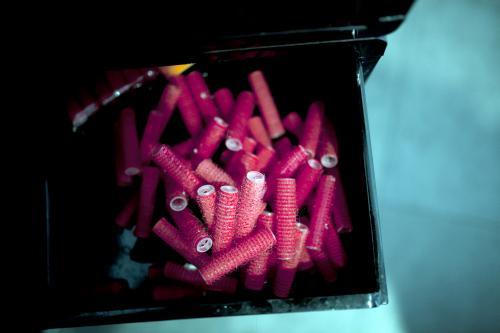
(174, 70)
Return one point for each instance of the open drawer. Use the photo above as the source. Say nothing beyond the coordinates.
(96, 273)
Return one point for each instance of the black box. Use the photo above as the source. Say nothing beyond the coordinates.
(304, 58)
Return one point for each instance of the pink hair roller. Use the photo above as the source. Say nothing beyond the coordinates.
(266, 219)
(249, 162)
(151, 135)
(285, 168)
(271, 167)
(327, 147)
(209, 140)
(240, 164)
(255, 273)
(334, 248)
(175, 197)
(190, 274)
(224, 225)
(129, 142)
(285, 272)
(237, 129)
(122, 179)
(291, 162)
(150, 179)
(184, 148)
(341, 217)
(263, 206)
(273, 261)
(245, 250)
(285, 208)
(187, 108)
(158, 120)
(167, 293)
(249, 144)
(265, 155)
(321, 212)
(266, 104)
(107, 287)
(283, 146)
(305, 262)
(251, 194)
(293, 123)
(258, 131)
(192, 231)
(234, 167)
(311, 130)
(184, 273)
(168, 100)
(124, 218)
(201, 95)
(211, 173)
(332, 134)
(301, 233)
(324, 266)
(176, 169)
(307, 178)
(242, 161)
(154, 272)
(206, 196)
(170, 235)
(225, 101)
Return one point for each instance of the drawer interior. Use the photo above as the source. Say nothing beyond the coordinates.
(82, 243)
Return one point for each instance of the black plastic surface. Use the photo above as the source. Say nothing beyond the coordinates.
(183, 32)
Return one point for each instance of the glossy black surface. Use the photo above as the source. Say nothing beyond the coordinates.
(183, 32)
